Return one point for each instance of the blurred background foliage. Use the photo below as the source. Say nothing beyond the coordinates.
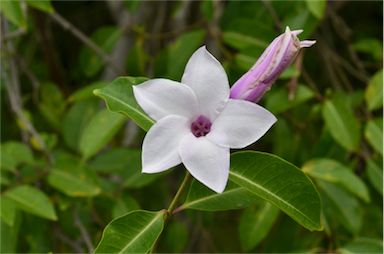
(69, 166)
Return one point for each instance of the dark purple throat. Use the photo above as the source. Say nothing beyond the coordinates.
(201, 126)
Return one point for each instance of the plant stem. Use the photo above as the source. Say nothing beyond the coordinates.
(182, 187)
(173, 204)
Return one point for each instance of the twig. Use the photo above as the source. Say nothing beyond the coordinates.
(88, 42)
(14, 34)
(292, 85)
(273, 13)
(83, 231)
(65, 239)
(13, 91)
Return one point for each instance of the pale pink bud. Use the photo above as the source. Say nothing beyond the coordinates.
(274, 60)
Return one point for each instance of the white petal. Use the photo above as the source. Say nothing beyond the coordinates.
(240, 124)
(206, 162)
(162, 97)
(207, 78)
(161, 144)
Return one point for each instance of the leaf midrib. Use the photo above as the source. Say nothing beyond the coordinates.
(142, 232)
(314, 225)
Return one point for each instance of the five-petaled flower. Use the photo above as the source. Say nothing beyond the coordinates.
(197, 123)
(274, 60)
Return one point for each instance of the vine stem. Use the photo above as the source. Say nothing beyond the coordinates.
(180, 191)
(175, 200)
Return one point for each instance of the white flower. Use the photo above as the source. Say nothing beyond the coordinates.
(197, 123)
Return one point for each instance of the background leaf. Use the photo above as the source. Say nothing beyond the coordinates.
(255, 224)
(374, 91)
(32, 200)
(99, 131)
(334, 172)
(342, 124)
(374, 134)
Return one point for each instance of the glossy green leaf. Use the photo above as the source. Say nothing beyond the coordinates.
(279, 100)
(202, 198)
(375, 175)
(255, 224)
(77, 117)
(135, 232)
(179, 52)
(317, 7)
(335, 172)
(99, 131)
(280, 183)
(32, 200)
(341, 123)
(43, 5)
(362, 245)
(13, 154)
(7, 211)
(119, 98)
(374, 134)
(346, 207)
(374, 91)
(105, 38)
(13, 12)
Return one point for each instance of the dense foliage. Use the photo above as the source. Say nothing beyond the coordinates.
(71, 167)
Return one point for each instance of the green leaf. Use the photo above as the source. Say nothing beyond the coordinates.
(77, 117)
(10, 236)
(335, 172)
(242, 41)
(135, 232)
(7, 211)
(125, 162)
(346, 207)
(99, 131)
(105, 38)
(43, 5)
(32, 200)
(124, 205)
(52, 104)
(317, 7)
(362, 245)
(374, 91)
(342, 124)
(202, 198)
(73, 181)
(13, 12)
(176, 236)
(370, 46)
(374, 134)
(119, 98)
(280, 183)
(375, 175)
(278, 100)
(180, 51)
(87, 91)
(255, 224)
(13, 154)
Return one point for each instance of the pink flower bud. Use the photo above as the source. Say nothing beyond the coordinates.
(274, 60)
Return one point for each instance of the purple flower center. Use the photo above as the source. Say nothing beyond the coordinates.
(201, 126)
